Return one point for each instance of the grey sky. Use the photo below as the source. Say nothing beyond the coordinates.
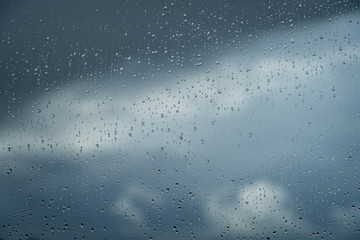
(258, 138)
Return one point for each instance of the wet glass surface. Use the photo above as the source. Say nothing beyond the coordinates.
(179, 119)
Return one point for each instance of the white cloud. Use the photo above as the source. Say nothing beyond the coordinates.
(260, 207)
(84, 119)
(133, 202)
(125, 207)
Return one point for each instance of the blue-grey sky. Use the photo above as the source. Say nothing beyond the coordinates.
(251, 132)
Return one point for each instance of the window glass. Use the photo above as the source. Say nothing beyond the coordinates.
(179, 119)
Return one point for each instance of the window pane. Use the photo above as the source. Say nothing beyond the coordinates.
(179, 119)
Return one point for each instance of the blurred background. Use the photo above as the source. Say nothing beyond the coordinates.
(179, 119)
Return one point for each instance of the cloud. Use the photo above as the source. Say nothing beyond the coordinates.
(258, 208)
(85, 118)
(125, 207)
(133, 202)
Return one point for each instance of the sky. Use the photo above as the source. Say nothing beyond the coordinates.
(250, 132)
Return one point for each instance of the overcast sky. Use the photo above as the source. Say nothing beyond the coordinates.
(247, 132)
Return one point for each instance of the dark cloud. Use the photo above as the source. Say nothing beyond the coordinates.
(46, 45)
